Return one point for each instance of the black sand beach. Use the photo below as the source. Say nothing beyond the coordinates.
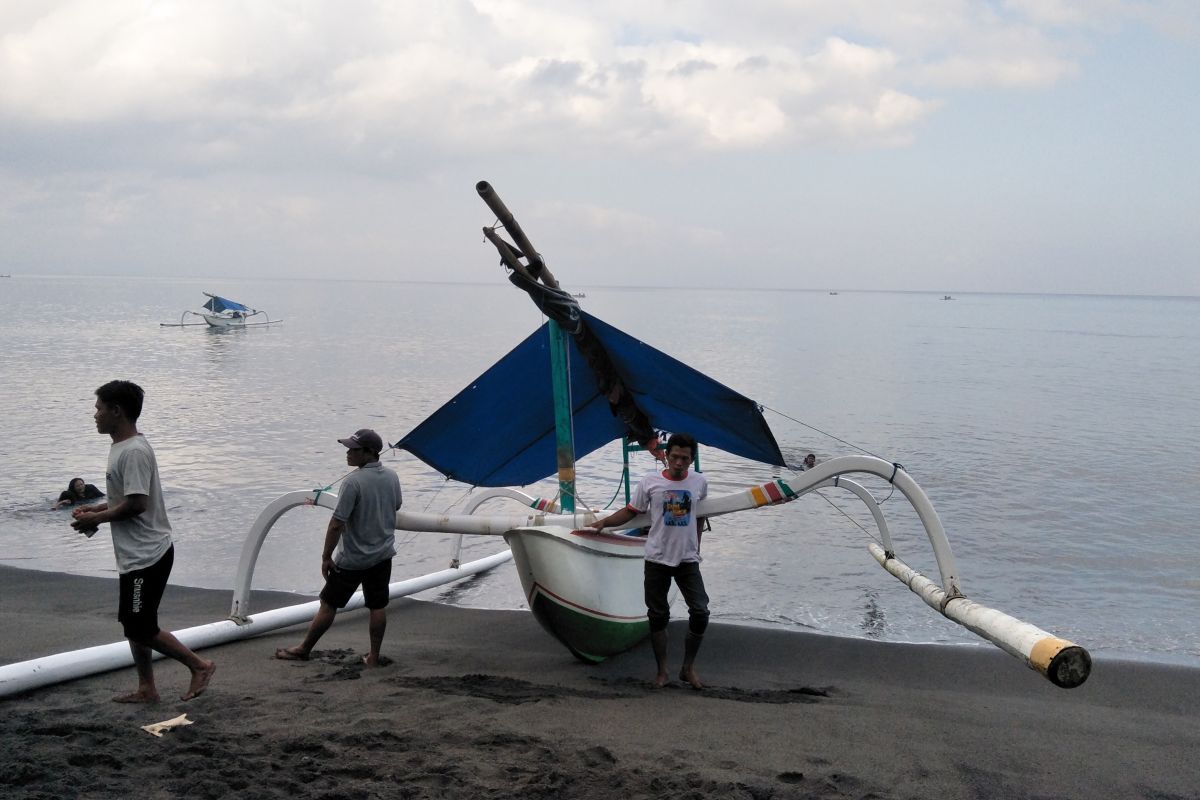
(484, 704)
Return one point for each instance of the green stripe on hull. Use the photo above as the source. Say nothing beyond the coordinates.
(588, 638)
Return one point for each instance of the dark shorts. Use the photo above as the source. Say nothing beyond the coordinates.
(691, 585)
(343, 583)
(141, 592)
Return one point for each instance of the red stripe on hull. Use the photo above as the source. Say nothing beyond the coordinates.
(537, 587)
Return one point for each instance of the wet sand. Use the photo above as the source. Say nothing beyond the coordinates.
(484, 704)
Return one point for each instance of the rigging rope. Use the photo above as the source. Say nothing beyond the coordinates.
(856, 523)
(895, 464)
(823, 433)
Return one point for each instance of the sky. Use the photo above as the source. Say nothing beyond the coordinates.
(923, 145)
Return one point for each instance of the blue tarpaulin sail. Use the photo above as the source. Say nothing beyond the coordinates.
(218, 304)
(499, 431)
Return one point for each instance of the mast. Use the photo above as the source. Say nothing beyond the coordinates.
(564, 436)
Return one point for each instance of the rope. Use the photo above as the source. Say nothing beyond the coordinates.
(852, 519)
(823, 433)
(620, 484)
(331, 485)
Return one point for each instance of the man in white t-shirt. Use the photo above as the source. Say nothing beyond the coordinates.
(672, 551)
(141, 537)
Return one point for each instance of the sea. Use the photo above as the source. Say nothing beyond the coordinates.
(1057, 437)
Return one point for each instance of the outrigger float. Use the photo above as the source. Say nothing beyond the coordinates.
(584, 587)
(221, 312)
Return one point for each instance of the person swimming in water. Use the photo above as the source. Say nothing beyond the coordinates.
(76, 492)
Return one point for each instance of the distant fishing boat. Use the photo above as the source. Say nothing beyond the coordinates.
(947, 297)
(221, 312)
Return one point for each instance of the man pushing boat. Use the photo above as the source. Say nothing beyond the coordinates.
(672, 551)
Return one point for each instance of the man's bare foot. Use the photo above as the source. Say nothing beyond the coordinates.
(661, 680)
(688, 675)
(200, 679)
(291, 654)
(140, 696)
(376, 661)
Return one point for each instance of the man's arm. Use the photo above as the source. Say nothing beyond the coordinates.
(615, 519)
(333, 534)
(89, 518)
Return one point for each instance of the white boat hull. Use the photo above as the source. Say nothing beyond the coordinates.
(217, 321)
(583, 587)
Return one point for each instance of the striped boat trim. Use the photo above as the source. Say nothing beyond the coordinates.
(772, 492)
(591, 612)
(591, 639)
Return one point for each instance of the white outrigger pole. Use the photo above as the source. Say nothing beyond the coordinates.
(26, 675)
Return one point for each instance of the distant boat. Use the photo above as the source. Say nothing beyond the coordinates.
(833, 292)
(947, 297)
(221, 312)
(578, 294)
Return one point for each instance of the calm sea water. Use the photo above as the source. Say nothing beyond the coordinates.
(1057, 437)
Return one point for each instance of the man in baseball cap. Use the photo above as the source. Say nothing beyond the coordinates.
(364, 438)
(363, 533)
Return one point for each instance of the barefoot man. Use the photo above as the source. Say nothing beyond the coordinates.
(672, 551)
(363, 530)
(141, 538)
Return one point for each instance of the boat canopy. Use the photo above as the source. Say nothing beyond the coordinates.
(499, 431)
(218, 304)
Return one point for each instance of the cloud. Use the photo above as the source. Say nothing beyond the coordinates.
(297, 137)
(230, 80)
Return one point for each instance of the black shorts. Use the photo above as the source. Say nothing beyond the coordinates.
(141, 592)
(342, 583)
(691, 585)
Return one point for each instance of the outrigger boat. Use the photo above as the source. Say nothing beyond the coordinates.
(571, 387)
(221, 312)
(583, 384)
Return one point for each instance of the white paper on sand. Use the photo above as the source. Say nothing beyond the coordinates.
(158, 727)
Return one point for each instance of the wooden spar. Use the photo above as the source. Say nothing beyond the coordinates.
(560, 373)
(1065, 663)
(537, 265)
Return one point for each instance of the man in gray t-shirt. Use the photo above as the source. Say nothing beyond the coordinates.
(141, 538)
(359, 544)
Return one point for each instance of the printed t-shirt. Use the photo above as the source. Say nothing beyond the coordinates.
(674, 537)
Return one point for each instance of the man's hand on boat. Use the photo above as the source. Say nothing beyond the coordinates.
(618, 517)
